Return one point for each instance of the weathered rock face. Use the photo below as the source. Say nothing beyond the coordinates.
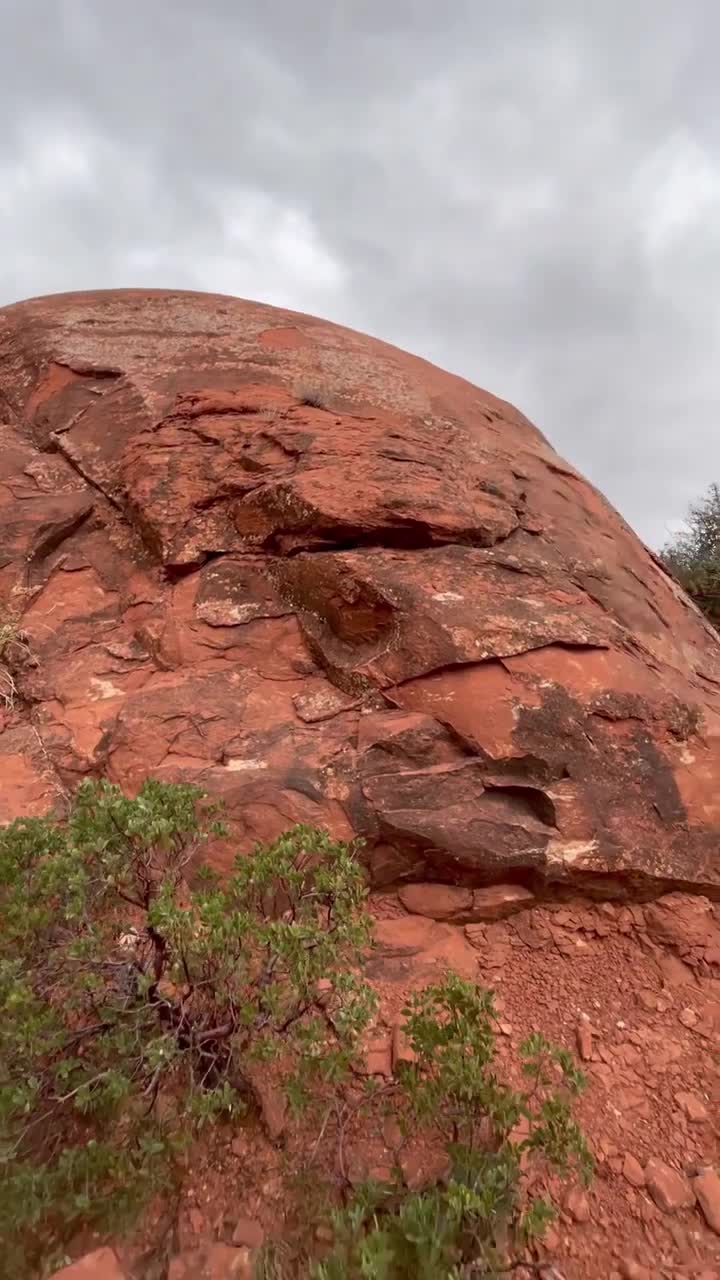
(331, 583)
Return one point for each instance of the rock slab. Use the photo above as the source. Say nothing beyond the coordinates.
(707, 1190)
(101, 1264)
(331, 583)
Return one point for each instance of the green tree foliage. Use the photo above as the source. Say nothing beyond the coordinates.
(131, 1006)
(475, 1222)
(693, 555)
(141, 998)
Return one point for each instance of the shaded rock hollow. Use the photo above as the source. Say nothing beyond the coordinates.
(331, 583)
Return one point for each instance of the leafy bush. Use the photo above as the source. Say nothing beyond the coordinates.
(693, 555)
(134, 1008)
(475, 1222)
(131, 1005)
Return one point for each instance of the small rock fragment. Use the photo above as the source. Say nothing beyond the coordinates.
(498, 900)
(694, 1107)
(648, 1000)
(438, 901)
(101, 1264)
(437, 945)
(532, 930)
(628, 1098)
(377, 1058)
(321, 702)
(633, 1171)
(584, 1039)
(707, 1189)
(323, 990)
(682, 920)
(422, 1167)
(688, 1017)
(668, 1187)
(578, 1205)
(476, 936)
(273, 1105)
(392, 1133)
(216, 1262)
(632, 1270)
(674, 971)
(402, 1050)
(248, 1232)
(197, 1220)
(405, 936)
(550, 1239)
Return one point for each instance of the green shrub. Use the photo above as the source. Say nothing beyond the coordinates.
(475, 1222)
(692, 556)
(132, 1006)
(135, 1008)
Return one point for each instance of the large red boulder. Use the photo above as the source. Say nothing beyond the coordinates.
(331, 583)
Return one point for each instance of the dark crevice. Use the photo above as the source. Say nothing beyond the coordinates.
(8, 414)
(413, 537)
(706, 679)
(56, 441)
(407, 535)
(572, 646)
(173, 573)
(229, 493)
(279, 545)
(621, 888)
(537, 802)
(660, 616)
(560, 469)
(409, 539)
(528, 570)
(528, 794)
(56, 536)
(528, 770)
(83, 370)
(208, 409)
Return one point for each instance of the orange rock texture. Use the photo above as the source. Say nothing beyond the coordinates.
(331, 583)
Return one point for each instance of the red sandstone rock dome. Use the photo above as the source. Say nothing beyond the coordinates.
(331, 583)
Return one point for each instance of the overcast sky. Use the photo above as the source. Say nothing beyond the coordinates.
(525, 191)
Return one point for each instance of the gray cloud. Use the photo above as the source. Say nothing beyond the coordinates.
(528, 194)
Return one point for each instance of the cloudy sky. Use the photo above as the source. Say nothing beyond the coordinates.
(525, 191)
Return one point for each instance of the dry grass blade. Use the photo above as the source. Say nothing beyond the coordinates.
(13, 649)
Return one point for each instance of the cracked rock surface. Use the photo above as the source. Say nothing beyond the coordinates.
(331, 583)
